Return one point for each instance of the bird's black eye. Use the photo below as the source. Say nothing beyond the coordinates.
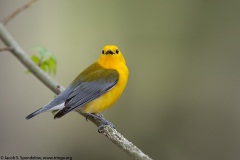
(102, 51)
(117, 51)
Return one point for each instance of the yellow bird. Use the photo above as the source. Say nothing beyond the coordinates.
(97, 88)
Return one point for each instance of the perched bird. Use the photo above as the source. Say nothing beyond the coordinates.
(97, 88)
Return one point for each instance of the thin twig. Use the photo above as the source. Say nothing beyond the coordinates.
(17, 11)
(5, 49)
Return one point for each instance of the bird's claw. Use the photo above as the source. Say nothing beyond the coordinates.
(87, 117)
(104, 122)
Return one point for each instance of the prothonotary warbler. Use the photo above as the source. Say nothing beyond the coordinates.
(97, 88)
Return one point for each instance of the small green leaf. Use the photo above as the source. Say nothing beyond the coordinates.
(52, 65)
(35, 59)
(44, 68)
(44, 53)
(45, 60)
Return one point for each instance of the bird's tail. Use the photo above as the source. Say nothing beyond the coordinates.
(34, 113)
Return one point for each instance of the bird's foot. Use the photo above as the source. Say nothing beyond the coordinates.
(103, 121)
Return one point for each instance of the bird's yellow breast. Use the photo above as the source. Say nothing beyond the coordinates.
(116, 62)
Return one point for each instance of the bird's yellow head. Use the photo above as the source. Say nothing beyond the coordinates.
(111, 56)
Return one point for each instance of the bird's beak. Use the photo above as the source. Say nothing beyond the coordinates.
(109, 52)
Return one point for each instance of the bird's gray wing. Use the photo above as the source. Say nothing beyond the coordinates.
(89, 88)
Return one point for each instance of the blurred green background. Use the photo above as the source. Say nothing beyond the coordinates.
(182, 101)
